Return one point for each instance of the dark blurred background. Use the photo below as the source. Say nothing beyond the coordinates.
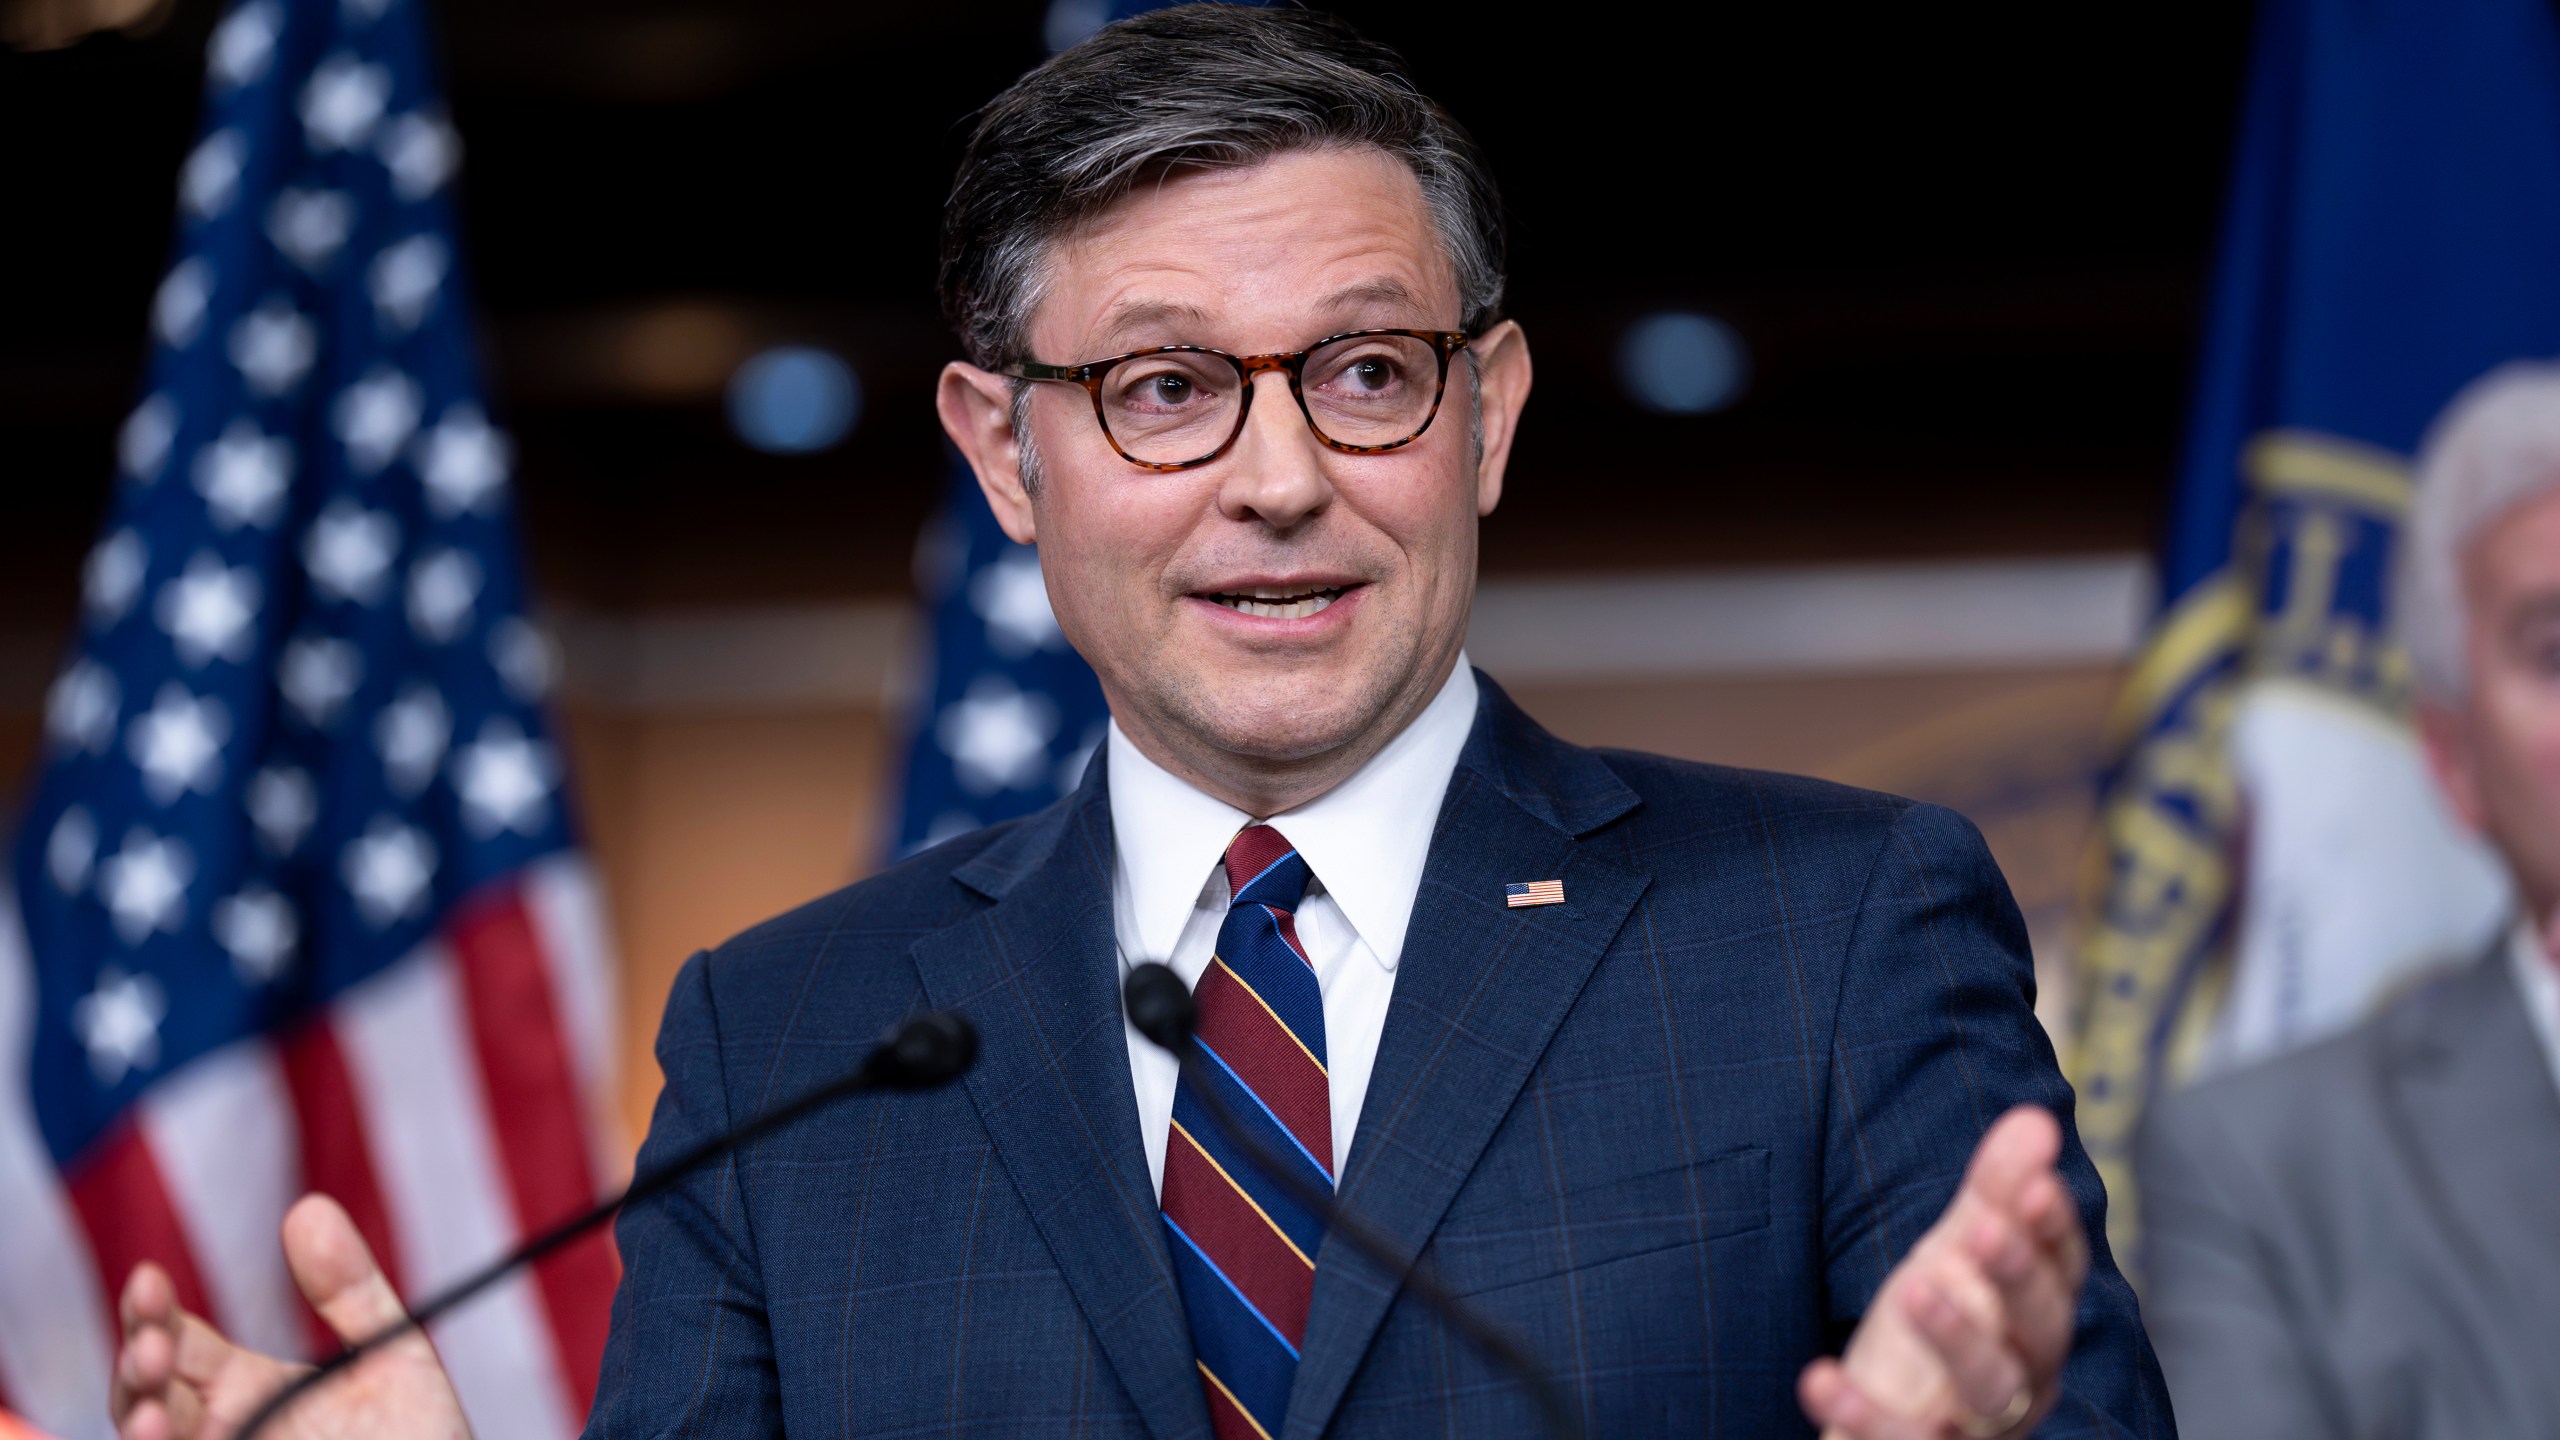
(1935, 282)
(1965, 253)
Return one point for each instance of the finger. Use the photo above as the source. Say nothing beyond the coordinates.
(148, 1296)
(2050, 1212)
(336, 1270)
(1985, 1372)
(1833, 1401)
(2019, 1146)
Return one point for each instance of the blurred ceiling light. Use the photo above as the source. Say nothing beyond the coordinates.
(1071, 20)
(1679, 362)
(794, 399)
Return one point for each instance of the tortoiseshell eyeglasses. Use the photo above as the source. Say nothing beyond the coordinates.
(1178, 406)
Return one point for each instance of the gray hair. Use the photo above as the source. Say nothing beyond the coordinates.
(2494, 448)
(1194, 85)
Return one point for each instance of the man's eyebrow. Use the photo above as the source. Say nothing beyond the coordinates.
(1384, 290)
(1140, 314)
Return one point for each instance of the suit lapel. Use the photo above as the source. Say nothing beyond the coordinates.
(1036, 974)
(1479, 990)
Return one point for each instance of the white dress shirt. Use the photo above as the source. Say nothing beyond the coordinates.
(2537, 975)
(1364, 840)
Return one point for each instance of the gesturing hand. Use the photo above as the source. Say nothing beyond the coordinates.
(178, 1378)
(1968, 1334)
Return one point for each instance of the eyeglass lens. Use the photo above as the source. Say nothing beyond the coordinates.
(1365, 390)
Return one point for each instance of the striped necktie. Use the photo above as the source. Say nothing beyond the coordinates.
(1243, 1252)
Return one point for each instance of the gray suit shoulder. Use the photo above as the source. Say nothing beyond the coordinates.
(2307, 1099)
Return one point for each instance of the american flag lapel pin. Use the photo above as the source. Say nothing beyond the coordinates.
(1535, 892)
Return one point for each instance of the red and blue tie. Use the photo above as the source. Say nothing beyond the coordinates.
(1244, 1254)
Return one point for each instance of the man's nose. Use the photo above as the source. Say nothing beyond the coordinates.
(1275, 471)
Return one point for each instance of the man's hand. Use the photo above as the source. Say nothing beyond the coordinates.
(1968, 1334)
(178, 1378)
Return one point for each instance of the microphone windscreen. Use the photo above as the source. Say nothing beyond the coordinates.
(1159, 1005)
(928, 1050)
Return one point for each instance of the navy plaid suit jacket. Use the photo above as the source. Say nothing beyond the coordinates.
(1672, 1133)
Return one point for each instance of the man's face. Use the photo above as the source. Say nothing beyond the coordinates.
(2500, 757)
(1285, 601)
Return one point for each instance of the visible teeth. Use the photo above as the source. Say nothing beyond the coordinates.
(1269, 604)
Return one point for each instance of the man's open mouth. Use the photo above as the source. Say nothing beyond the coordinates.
(1274, 603)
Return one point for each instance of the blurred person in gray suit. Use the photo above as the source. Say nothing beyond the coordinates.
(2363, 1238)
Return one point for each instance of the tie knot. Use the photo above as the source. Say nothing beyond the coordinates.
(1263, 868)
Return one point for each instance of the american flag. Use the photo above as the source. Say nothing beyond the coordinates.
(1533, 892)
(1009, 714)
(295, 902)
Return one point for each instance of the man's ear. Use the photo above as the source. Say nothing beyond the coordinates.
(977, 413)
(2445, 735)
(1502, 388)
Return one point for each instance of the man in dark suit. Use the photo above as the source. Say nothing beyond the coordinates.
(2364, 1238)
(1668, 1070)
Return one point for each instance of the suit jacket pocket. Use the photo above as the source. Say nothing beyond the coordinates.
(1593, 1220)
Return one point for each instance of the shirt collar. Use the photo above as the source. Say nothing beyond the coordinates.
(1366, 839)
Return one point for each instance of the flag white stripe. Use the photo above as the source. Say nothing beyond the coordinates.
(55, 1354)
(408, 1049)
(222, 1133)
(567, 906)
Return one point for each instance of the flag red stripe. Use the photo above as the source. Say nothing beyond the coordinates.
(116, 1190)
(337, 1160)
(540, 1120)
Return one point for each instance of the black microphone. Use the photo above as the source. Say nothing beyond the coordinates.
(1161, 1008)
(925, 1052)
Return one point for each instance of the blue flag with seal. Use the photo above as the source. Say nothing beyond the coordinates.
(2271, 856)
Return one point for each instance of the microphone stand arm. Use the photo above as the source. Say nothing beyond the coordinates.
(927, 1051)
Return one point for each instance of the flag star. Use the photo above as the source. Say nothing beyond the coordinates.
(412, 732)
(282, 805)
(311, 226)
(71, 850)
(273, 346)
(1010, 596)
(177, 308)
(523, 657)
(420, 150)
(505, 781)
(388, 869)
(119, 1024)
(80, 710)
(243, 476)
(349, 551)
(317, 674)
(211, 175)
(178, 743)
(207, 610)
(113, 576)
(463, 460)
(997, 736)
(144, 441)
(343, 102)
(243, 43)
(259, 928)
(375, 417)
(443, 587)
(144, 884)
(404, 281)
